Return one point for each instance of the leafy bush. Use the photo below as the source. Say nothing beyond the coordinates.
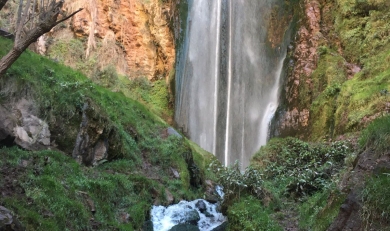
(302, 167)
(235, 183)
(377, 135)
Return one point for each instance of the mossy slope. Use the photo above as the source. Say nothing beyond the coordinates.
(52, 192)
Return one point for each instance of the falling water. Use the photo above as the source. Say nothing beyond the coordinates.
(228, 77)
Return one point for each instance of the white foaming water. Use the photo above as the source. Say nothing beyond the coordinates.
(164, 218)
(228, 77)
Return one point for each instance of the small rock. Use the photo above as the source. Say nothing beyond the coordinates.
(8, 222)
(173, 132)
(148, 226)
(169, 197)
(201, 206)
(175, 173)
(222, 227)
(184, 227)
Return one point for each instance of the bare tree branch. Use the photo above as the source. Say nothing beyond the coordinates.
(47, 19)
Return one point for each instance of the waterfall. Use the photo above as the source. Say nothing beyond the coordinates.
(227, 79)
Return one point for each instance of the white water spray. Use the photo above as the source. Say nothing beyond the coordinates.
(228, 77)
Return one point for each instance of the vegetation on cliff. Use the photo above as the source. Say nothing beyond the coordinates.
(49, 190)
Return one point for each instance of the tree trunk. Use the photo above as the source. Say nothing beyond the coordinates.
(19, 48)
(47, 20)
(2, 3)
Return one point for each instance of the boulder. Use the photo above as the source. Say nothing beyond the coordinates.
(8, 222)
(98, 139)
(192, 217)
(201, 205)
(173, 132)
(20, 125)
(221, 227)
(184, 227)
(148, 226)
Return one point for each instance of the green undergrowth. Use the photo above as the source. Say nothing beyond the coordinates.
(55, 194)
(318, 211)
(296, 168)
(155, 95)
(377, 135)
(376, 202)
(102, 71)
(59, 194)
(288, 180)
(327, 81)
(248, 214)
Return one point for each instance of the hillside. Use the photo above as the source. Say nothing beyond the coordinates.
(138, 160)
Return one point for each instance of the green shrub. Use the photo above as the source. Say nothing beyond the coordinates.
(298, 167)
(235, 183)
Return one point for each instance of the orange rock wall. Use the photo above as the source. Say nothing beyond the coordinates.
(140, 28)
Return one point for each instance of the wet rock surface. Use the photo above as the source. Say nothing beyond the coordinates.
(97, 140)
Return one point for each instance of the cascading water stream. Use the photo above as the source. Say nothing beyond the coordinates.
(228, 77)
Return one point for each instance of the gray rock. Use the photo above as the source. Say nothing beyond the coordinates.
(192, 217)
(19, 125)
(201, 206)
(222, 227)
(148, 226)
(184, 227)
(8, 222)
(173, 132)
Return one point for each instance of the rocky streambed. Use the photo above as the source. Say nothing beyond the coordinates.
(197, 215)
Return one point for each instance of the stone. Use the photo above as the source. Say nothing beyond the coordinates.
(148, 226)
(201, 206)
(173, 132)
(19, 125)
(222, 227)
(184, 227)
(8, 222)
(97, 137)
(175, 173)
(192, 217)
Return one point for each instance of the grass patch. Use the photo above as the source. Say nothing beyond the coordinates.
(377, 135)
(248, 214)
(55, 192)
(376, 202)
(319, 211)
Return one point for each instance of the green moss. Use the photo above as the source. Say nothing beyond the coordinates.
(327, 80)
(361, 98)
(57, 191)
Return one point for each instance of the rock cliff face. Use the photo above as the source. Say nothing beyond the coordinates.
(140, 28)
(134, 36)
(335, 80)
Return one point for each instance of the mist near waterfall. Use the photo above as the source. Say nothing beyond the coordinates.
(228, 77)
